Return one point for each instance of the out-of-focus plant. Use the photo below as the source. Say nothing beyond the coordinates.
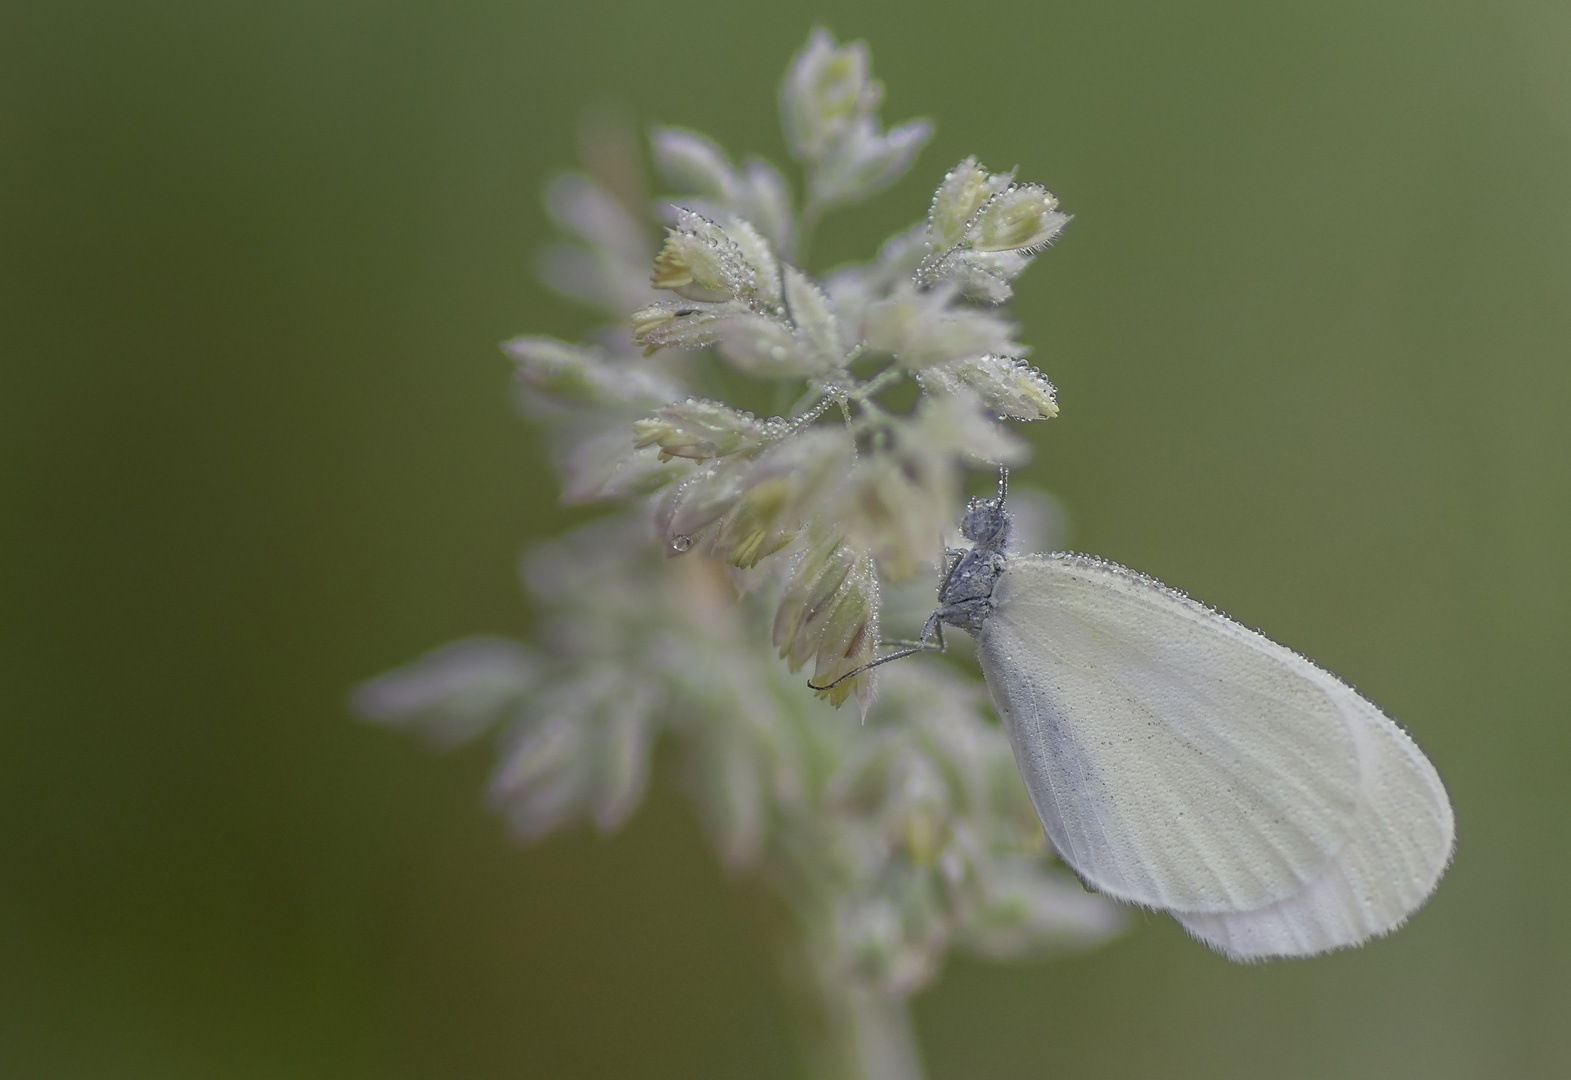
(749, 548)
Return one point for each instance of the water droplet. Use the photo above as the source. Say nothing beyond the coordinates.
(681, 543)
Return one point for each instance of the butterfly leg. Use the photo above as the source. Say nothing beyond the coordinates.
(933, 629)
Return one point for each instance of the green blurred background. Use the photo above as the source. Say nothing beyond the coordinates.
(1310, 329)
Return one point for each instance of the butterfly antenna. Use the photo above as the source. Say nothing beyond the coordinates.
(1003, 483)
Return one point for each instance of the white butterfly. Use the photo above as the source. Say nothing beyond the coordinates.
(1183, 762)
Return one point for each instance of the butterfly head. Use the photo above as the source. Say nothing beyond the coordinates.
(986, 520)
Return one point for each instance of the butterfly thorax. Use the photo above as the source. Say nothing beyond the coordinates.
(966, 597)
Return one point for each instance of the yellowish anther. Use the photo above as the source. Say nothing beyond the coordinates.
(670, 441)
(671, 269)
(646, 321)
(691, 267)
(753, 527)
(700, 430)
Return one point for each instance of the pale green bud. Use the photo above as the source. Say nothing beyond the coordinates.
(766, 347)
(1024, 218)
(752, 246)
(582, 374)
(829, 613)
(692, 268)
(955, 424)
(849, 635)
(781, 487)
(453, 693)
(865, 161)
(698, 502)
(759, 502)
(606, 467)
(963, 191)
(898, 505)
(766, 203)
(673, 325)
(557, 369)
(825, 90)
(653, 319)
(924, 328)
(622, 765)
(1024, 908)
(701, 430)
(983, 229)
(701, 262)
(815, 579)
(1006, 386)
(694, 163)
(757, 526)
(543, 779)
(979, 275)
(814, 317)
